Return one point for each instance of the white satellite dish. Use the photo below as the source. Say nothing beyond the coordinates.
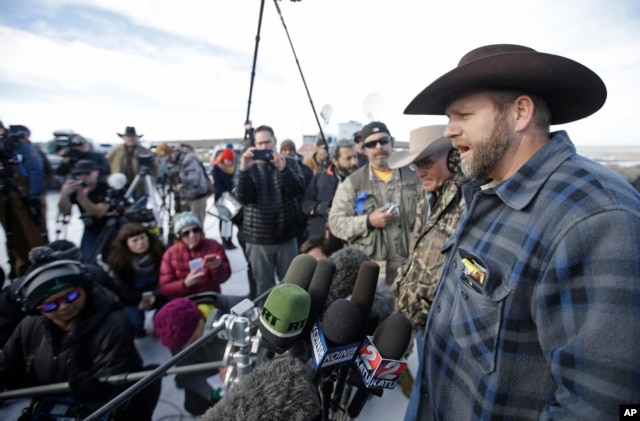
(326, 113)
(373, 106)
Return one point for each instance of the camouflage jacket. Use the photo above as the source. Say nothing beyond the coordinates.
(416, 281)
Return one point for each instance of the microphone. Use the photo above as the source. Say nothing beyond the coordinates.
(318, 291)
(379, 360)
(364, 291)
(335, 340)
(284, 389)
(300, 271)
(283, 316)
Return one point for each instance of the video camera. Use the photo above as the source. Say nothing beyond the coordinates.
(119, 205)
(9, 139)
(144, 163)
(66, 145)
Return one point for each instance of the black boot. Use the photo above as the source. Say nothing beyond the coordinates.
(228, 244)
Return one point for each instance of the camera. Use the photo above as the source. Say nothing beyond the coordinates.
(8, 141)
(144, 161)
(263, 154)
(393, 208)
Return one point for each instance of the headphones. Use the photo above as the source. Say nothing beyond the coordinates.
(46, 273)
(453, 161)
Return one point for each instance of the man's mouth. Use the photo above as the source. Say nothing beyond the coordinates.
(464, 151)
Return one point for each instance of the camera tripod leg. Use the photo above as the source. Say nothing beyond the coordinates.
(108, 234)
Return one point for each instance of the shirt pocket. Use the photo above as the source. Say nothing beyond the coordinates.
(476, 314)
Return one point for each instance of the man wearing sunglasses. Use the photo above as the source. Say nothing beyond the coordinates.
(75, 332)
(374, 208)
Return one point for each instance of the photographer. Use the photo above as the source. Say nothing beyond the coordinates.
(21, 201)
(192, 179)
(76, 149)
(90, 193)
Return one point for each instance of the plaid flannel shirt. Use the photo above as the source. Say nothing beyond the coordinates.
(552, 330)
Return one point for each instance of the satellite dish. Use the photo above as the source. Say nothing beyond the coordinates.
(326, 113)
(374, 106)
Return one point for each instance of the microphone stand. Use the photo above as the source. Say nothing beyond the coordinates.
(63, 387)
(154, 375)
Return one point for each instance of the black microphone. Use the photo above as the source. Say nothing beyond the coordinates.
(279, 389)
(378, 362)
(335, 340)
(301, 271)
(318, 291)
(364, 291)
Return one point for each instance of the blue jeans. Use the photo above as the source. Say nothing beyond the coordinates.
(135, 317)
(416, 395)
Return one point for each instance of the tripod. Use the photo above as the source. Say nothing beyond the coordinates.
(150, 193)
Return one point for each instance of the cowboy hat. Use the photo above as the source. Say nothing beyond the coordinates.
(130, 131)
(571, 90)
(423, 141)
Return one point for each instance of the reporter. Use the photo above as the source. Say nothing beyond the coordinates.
(177, 278)
(134, 262)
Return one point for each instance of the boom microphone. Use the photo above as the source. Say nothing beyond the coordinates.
(301, 271)
(283, 387)
(284, 315)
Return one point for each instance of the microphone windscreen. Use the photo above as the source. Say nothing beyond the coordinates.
(364, 292)
(284, 314)
(278, 389)
(393, 336)
(319, 287)
(300, 271)
(348, 260)
(341, 322)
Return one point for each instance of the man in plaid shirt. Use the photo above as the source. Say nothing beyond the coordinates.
(536, 313)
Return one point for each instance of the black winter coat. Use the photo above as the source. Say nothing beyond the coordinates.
(100, 344)
(271, 202)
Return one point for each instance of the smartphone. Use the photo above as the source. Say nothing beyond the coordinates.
(147, 295)
(196, 264)
(263, 154)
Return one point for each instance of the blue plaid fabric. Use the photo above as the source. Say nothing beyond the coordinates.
(554, 330)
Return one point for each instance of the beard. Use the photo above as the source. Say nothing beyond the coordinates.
(345, 171)
(488, 152)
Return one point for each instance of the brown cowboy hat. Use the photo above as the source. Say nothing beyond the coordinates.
(572, 91)
(423, 141)
(130, 131)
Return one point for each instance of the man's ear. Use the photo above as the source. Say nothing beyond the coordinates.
(524, 108)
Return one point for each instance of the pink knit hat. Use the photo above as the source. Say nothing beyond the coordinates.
(176, 321)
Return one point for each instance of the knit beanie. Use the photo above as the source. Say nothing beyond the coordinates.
(176, 321)
(226, 154)
(185, 219)
(287, 143)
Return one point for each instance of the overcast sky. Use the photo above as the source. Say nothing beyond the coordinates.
(182, 69)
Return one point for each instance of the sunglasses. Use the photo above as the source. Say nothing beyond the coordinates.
(55, 304)
(423, 165)
(186, 233)
(382, 141)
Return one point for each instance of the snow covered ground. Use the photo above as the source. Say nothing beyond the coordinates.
(391, 406)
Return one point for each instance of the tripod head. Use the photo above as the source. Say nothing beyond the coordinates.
(144, 164)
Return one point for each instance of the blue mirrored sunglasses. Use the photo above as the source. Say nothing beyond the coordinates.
(55, 304)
